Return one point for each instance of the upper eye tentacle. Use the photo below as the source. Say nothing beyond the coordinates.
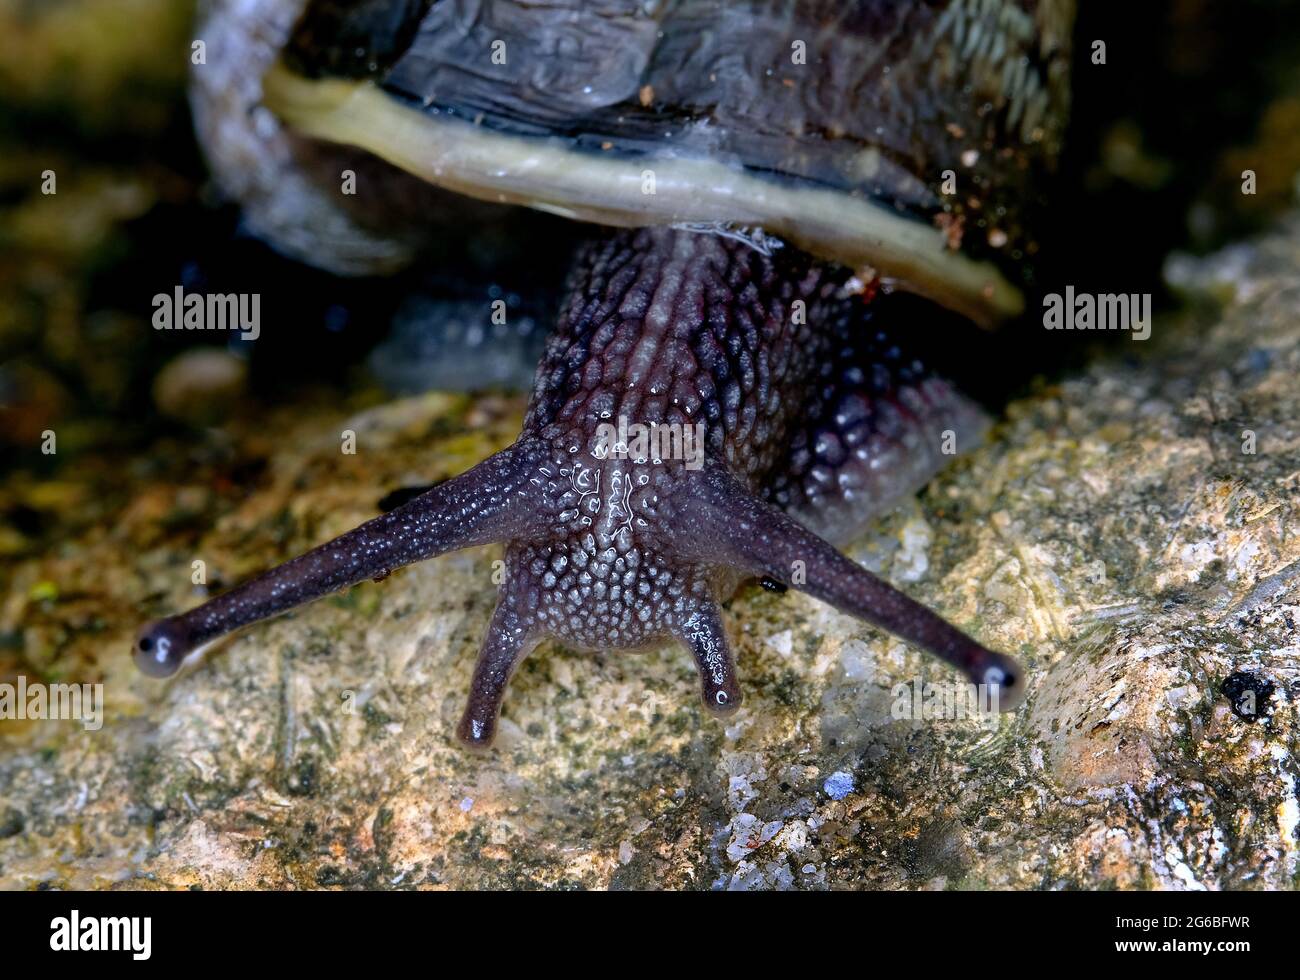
(489, 503)
(725, 523)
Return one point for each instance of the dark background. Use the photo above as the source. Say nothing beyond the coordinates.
(1193, 92)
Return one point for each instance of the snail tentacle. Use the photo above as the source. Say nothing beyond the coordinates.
(705, 636)
(505, 645)
(728, 524)
(486, 504)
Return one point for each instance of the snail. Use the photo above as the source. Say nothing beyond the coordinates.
(778, 191)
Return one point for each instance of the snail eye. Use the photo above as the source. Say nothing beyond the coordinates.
(160, 648)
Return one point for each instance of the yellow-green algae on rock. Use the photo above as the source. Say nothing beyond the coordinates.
(1112, 533)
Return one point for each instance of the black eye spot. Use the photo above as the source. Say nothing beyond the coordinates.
(160, 647)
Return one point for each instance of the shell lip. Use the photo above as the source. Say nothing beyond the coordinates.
(548, 175)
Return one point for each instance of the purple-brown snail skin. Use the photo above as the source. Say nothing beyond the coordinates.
(716, 402)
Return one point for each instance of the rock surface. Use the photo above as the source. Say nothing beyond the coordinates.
(1131, 532)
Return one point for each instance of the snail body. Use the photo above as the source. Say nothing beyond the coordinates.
(721, 314)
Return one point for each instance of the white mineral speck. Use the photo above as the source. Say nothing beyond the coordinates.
(913, 559)
(782, 643)
(838, 785)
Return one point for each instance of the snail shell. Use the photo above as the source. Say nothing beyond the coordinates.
(911, 139)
